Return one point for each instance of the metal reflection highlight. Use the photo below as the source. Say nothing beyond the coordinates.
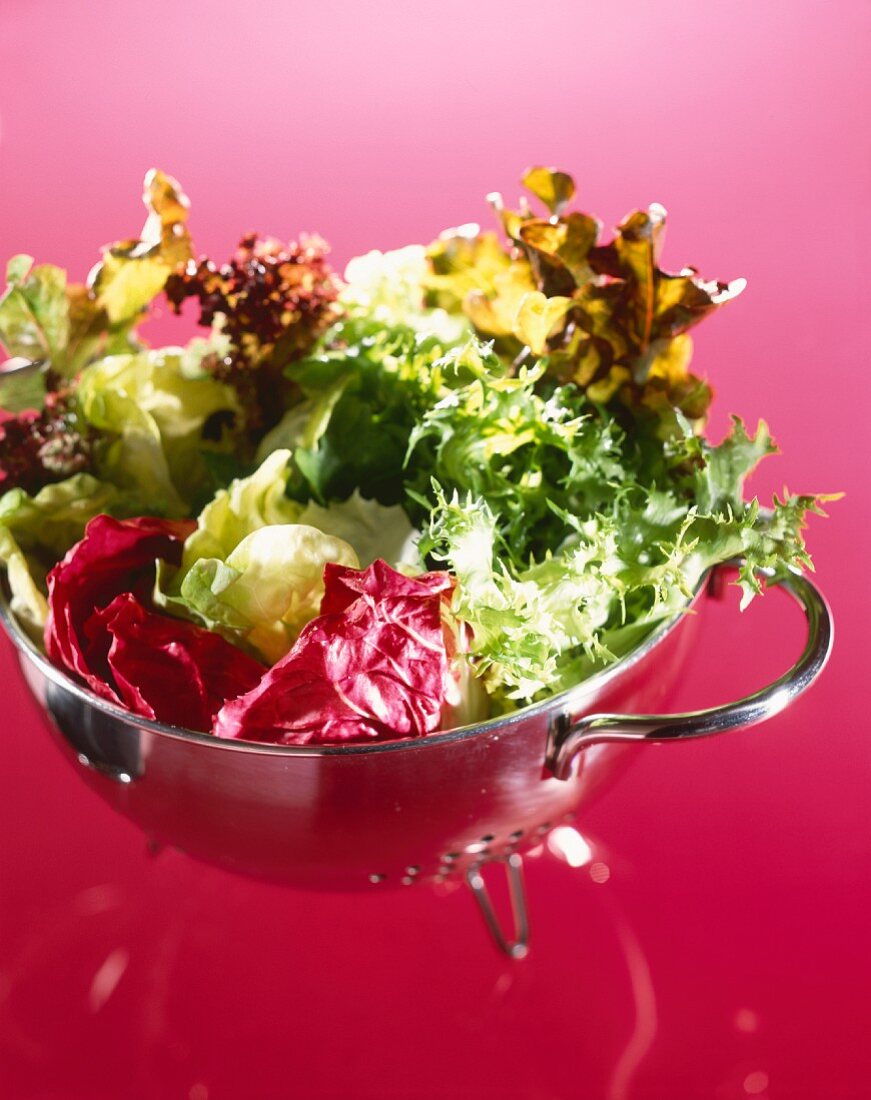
(568, 845)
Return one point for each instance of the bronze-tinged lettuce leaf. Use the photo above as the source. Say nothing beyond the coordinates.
(636, 317)
(65, 325)
(555, 189)
(271, 302)
(41, 446)
(560, 250)
(604, 316)
(537, 317)
(134, 272)
(655, 305)
(89, 334)
(472, 273)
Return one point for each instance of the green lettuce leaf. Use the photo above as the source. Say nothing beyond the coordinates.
(253, 569)
(248, 504)
(66, 325)
(26, 585)
(367, 390)
(155, 410)
(22, 385)
(36, 531)
(373, 530)
(56, 324)
(497, 440)
(268, 587)
(245, 506)
(34, 312)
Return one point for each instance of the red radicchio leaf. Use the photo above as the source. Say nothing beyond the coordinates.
(114, 556)
(374, 665)
(169, 669)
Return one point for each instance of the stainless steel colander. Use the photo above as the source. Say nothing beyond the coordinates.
(404, 812)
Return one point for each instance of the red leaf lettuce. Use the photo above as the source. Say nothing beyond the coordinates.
(169, 669)
(374, 665)
(100, 629)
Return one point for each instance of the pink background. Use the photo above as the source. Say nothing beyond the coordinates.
(727, 953)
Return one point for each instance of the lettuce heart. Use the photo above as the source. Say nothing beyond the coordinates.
(268, 587)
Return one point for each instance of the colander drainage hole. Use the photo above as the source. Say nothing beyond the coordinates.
(543, 828)
(375, 879)
(516, 835)
(413, 870)
(486, 839)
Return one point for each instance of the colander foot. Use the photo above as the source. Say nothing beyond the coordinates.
(518, 947)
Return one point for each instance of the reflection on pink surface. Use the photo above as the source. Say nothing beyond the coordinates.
(715, 943)
(576, 851)
(644, 995)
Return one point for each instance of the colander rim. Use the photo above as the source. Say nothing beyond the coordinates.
(563, 702)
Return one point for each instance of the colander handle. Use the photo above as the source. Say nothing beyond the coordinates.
(568, 737)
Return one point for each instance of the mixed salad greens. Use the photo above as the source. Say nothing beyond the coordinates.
(458, 480)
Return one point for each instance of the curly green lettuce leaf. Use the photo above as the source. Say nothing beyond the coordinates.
(609, 572)
(367, 391)
(719, 478)
(496, 439)
(522, 621)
